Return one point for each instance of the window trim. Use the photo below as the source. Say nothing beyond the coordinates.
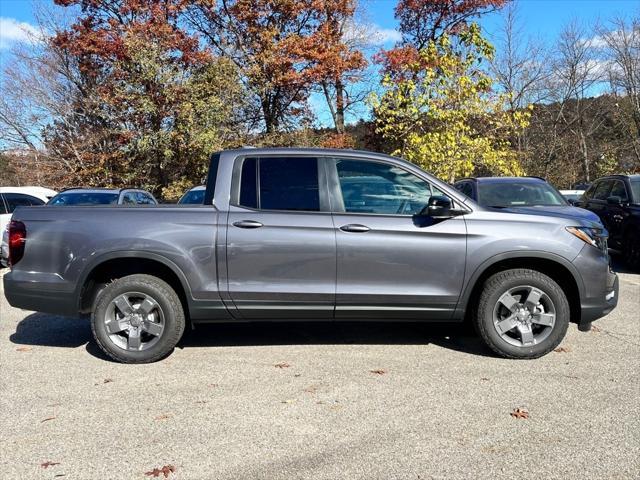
(234, 200)
(3, 206)
(336, 191)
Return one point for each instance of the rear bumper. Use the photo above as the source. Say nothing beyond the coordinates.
(39, 296)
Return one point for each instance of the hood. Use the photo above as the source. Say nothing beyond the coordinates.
(562, 211)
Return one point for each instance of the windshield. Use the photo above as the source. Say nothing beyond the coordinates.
(518, 194)
(193, 197)
(635, 190)
(85, 198)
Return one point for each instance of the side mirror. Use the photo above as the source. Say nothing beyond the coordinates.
(614, 200)
(438, 207)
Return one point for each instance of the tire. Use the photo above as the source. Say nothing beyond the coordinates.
(522, 314)
(631, 250)
(137, 319)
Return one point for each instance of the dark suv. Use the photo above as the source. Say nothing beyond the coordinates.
(616, 200)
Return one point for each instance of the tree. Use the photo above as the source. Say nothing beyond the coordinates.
(445, 117)
(163, 103)
(282, 48)
(423, 22)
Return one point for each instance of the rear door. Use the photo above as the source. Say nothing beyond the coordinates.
(392, 264)
(280, 246)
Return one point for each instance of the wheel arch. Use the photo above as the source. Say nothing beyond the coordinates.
(555, 266)
(119, 264)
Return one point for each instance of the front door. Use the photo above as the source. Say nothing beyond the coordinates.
(391, 263)
(281, 248)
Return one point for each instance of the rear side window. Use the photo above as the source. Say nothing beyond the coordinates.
(602, 190)
(129, 198)
(15, 200)
(280, 184)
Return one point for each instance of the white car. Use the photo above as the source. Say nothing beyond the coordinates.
(10, 199)
(572, 196)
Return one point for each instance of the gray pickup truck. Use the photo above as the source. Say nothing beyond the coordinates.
(300, 234)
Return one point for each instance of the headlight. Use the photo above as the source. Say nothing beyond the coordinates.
(596, 237)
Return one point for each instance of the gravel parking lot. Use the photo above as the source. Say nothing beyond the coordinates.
(321, 401)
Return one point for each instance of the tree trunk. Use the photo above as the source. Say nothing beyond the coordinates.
(340, 106)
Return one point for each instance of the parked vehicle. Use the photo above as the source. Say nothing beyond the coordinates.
(300, 234)
(103, 196)
(10, 199)
(572, 196)
(195, 196)
(521, 195)
(616, 200)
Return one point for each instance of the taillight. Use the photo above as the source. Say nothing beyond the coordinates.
(17, 239)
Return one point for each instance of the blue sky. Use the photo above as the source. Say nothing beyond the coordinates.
(541, 19)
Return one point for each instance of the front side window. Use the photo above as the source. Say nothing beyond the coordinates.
(380, 188)
(280, 184)
(193, 197)
(602, 190)
(465, 188)
(129, 198)
(15, 200)
(619, 190)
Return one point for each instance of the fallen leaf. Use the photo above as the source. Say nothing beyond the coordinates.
(54, 405)
(484, 379)
(201, 401)
(23, 349)
(166, 471)
(107, 380)
(47, 419)
(48, 464)
(287, 401)
(378, 372)
(213, 384)
(164, 416)
(562, 350)
(595, 329)
(282, 365)
(311, 389)
(520, 412)
(297, 374)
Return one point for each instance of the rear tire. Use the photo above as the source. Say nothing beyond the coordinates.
(137, 319)
(522, 314)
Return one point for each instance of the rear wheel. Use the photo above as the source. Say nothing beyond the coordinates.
(522, 313)
(137, 319)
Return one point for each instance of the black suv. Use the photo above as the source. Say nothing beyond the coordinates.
(616, 200)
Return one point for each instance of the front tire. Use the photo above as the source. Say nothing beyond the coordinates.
(522, 314)
(137, 319)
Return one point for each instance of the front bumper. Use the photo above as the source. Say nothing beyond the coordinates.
(600, 295)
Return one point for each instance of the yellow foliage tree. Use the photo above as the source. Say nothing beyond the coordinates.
(443, 114)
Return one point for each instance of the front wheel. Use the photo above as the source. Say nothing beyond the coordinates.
(137, 319)
(522, 313)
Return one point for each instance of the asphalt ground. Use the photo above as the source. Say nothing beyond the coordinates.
(320, 401)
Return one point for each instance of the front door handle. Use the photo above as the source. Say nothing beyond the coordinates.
(355, 228)
(247, 224)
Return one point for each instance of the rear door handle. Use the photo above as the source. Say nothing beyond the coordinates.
(355, 228)
(247, 224)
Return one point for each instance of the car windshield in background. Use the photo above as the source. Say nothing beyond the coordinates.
(85, 198)
(193, 197)
(635, 189)
(519, 194)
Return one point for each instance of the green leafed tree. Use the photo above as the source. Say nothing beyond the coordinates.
(443, 114)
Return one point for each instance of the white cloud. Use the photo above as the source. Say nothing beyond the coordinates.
(370, 34)
(11, 31)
